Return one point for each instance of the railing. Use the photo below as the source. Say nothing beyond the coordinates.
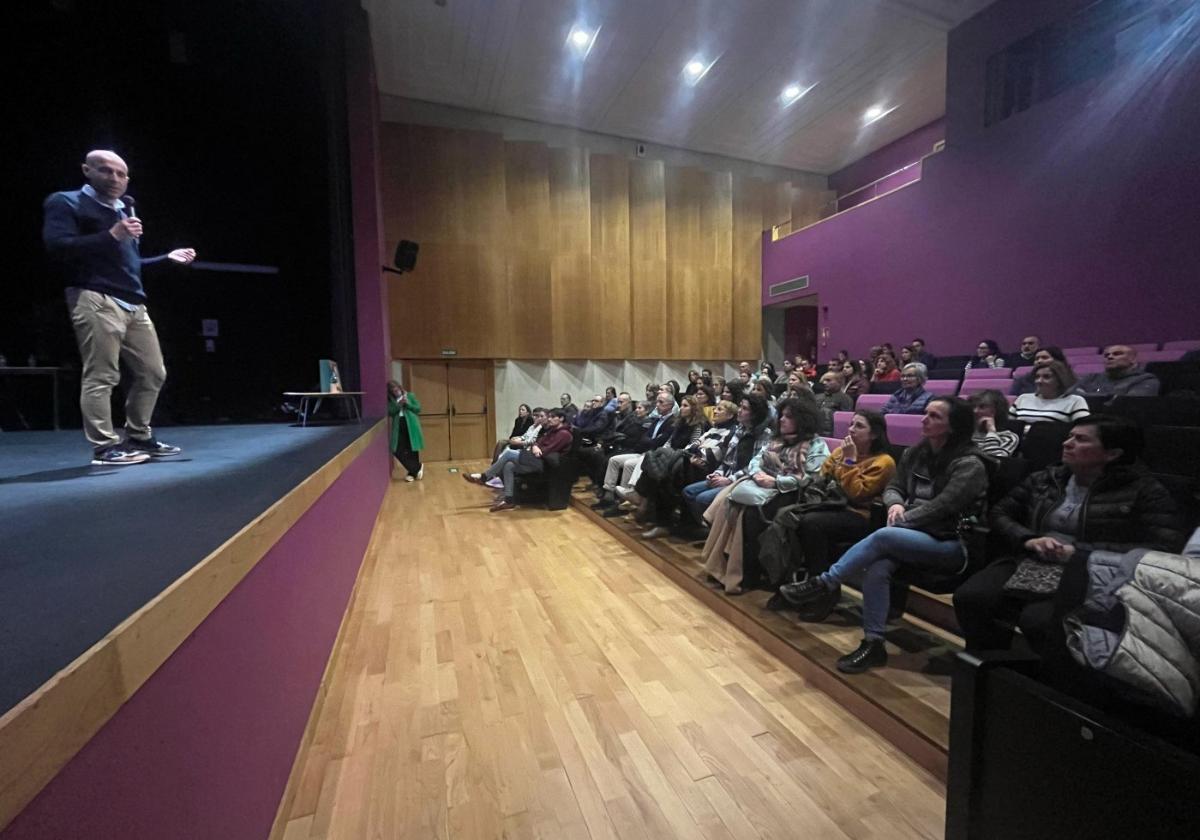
(902, 177)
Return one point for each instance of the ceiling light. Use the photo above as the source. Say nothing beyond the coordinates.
(794, 91)
(581, 39)
(694, 67)
(876, 113)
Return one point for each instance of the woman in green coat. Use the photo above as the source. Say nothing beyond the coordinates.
(407, 441)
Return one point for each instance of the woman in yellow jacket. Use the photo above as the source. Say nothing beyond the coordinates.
(407, 441)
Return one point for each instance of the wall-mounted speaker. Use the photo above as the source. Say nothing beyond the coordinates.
(405, 259)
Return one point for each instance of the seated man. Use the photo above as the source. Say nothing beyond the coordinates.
(555, 437)
(920, 354)
(658, 430)
(912, 396)
(832, 399)
(1027, 355)
(1122, 376)
(591, 423)
(624, 428)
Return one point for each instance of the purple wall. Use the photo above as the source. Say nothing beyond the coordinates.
(204, 748)
(1075, 219)
(899, 153)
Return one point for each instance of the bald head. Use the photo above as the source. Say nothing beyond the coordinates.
(107, 173)
(1119, 358)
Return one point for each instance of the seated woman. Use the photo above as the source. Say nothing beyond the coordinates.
(750, 435)
(906, 356)
(662, 489)
(987, 355)
(941, 481)
(862, 468)
(794, 455)
(1052, 400)
(795, 385)
(885, 369)
(831, 399)
(520, 427)
(1096, 499)
(1023, 384)
(993, 436)
(912, 396)
(767, 371)
(856, 382)
(763, 388)
(708, 401)
(694, 382)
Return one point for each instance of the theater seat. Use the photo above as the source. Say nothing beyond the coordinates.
(904, 429)
(974, 386)
(841, 422)
(1185, 345)
(1081, 351)
(1160, 356)
(872, 402)
(942, 387)
(1042, 444)
(989, 373)
(1162, 411)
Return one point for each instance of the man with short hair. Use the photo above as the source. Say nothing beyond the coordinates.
(832, 399)
(912, 396)
(555, 438)
(1030, 344)
(95, 237)
(920, 354)
(1122, 376)
(625, 426)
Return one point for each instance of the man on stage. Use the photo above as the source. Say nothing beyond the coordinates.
(94, 235)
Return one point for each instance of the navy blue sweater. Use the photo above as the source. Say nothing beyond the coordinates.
(75, 232)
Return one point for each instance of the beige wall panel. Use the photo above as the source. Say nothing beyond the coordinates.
(700, 263)
(530, 305)
(748, 197)
(570, 213)
(648, 259)
(610, 279)
(575, 326)
(527, 196)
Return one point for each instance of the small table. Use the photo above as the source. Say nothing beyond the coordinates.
(52, 372)
(310, 402)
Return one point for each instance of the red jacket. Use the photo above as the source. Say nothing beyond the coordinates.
(554, 440)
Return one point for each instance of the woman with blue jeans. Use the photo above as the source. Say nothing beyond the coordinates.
(752, 433)
(939, 482)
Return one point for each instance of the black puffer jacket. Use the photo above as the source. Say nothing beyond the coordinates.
(936, 499)
(1127, 508)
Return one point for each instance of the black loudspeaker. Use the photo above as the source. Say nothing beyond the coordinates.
(406, 257)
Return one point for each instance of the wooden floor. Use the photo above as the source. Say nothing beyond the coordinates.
(524, 675)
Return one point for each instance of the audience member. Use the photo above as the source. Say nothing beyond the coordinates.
(789, 365)
(521, 425)
(610, 399)
(694, 382)
(554, 438)
(831, 399)
(885, 369)
(1052, 399)
(992, 436)
(860, 469)
(1096, 499)
(941, 481)
(1030, 345)
(1122, 376)
(591, 423)
(1023, 384)
(616, 438)
(569, 408)
(733, 391)
(924, 356)
(907, 357)
(987, 355)
(707, 399)
(856, 382)
(767, 371)
(661, 488)
(794, 454)
(912, 396)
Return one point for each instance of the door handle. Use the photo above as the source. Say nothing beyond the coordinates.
(451, 409)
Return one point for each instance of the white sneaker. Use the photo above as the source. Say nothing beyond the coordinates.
(408, 478)
(421, 474)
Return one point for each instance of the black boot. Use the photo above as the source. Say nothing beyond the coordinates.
(607, 500)
(870, 654)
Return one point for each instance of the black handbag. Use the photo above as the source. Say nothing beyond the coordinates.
(1034, 578)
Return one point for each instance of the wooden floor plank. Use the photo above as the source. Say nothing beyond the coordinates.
(525, 675)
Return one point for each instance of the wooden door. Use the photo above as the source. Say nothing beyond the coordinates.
(470, 433)
(428, 381)
(455, 408)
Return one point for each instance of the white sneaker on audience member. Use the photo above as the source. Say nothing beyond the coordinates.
(494, 482)
(655, 532)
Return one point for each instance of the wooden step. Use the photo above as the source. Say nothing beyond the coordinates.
(907, 702)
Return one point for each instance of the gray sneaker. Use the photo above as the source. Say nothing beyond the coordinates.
(117, 456)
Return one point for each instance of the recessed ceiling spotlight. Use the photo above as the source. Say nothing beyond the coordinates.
(875, 113)
(793, 92)
(696, 69)
(581, 39)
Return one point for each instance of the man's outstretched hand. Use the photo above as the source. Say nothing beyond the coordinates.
(183, 256)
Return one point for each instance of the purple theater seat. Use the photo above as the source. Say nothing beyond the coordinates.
(1081, 351)
(1021, 371)
(974, 386)
(904, 429)
(834, 443)
(989, 373)
(1012, 398)
(841, 422)
(1160, 356)
(1091, 359)
(1147, 347)
(942, 387)
(1185, 345)
(1084, 370)
(872, 402)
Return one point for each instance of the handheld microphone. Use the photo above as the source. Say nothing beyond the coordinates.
(131, 208)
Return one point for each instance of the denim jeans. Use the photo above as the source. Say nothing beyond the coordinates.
(497, 468)
(877, 557)
(698, 496)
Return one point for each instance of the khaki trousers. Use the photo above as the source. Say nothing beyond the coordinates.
(108, 335)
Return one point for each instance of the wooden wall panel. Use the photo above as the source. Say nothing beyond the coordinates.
(536, 252)
(574, 326)
(748, 197)
(530, 247)
(648, 259)
(610, 300)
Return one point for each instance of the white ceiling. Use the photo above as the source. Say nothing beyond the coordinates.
(511, 57)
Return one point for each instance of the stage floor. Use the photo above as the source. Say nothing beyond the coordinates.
(82, 548)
